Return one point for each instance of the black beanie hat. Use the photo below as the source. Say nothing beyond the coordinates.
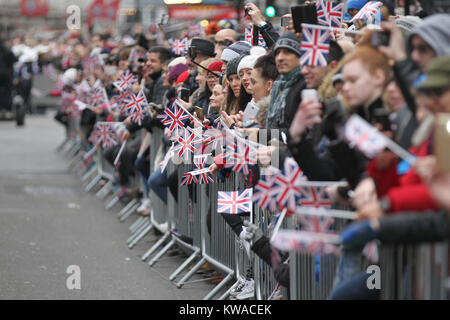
(289, 41)
(203, 46)
(233, 64)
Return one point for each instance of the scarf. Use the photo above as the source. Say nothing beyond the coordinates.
(277, 105)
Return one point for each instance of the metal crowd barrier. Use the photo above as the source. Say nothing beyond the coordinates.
(414, 271)
(312, 276)
(409, 271)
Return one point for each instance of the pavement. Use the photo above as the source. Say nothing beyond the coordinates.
(48, 223)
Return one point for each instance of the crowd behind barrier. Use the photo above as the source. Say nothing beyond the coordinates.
(309, 166)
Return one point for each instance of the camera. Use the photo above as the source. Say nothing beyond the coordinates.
(246, 11)
(380, 38)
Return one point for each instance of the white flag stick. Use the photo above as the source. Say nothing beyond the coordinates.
(120, 152)
(278, 225)
(343, 214)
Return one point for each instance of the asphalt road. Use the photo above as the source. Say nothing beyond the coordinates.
(48, 223)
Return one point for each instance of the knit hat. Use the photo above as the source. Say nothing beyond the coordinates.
(216, 66)
(183, 77)
(289, 41)
(234, 50)
(203, 46)
(233, 65)
(176, 70)
(435, 30)
(177, 61)
(407, 23)
(248, 62)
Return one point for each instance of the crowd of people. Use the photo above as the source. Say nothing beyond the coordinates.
(400, 87)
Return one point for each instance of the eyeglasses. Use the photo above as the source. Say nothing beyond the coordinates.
(225, 42)
(434, 92)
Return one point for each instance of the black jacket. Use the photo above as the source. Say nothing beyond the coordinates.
(269, 34)
(263, 249)
(414, 227)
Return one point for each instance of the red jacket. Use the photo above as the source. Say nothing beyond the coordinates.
(406, 192)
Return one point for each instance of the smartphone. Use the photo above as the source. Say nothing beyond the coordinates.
(303, 14)
(184, 94)
(199, 112)
(285, 21)
(250, 112)
(380, 38)
(442, 142)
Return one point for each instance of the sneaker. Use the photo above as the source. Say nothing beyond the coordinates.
(234, 292)
(145, 204)
(248, 291)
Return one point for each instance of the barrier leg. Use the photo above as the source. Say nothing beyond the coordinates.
(112, 202)
(126, 208)
(217, 288)
(155, 246)
(138, 229)
(75, 161)
(161, 253)
(89, 173)
(93, 183)
(136, 224)
(184, 265)
(188, 275)
(103, 192)
(141, 235)
(129, 213)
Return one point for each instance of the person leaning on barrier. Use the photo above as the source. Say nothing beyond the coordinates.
(410, 192)
(262, 247)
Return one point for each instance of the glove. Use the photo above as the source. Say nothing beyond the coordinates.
(357, 234)
(252, 233)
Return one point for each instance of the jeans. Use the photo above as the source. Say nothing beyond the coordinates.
(142, 165)
(349, 265)
(355, 288)
(158, 183)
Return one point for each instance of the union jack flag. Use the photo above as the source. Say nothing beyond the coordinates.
(287, 187)
(187, 143)
(204, 175)
(316, 223)
(315, 45)
(135, 55)
(121, 101)
(105, 134)
(263, 194)
(365, 137)
(213, 138)
(200, 161)
(188, 178)
(125, 81)
(315, 197)
(306, 242)
(136, 105)
(249, 37)
(234, 202)
(370, 13)
(329, 13)
(98, 96)
(195, 30)
(176, 117)
(240, 156)
(179, 47)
